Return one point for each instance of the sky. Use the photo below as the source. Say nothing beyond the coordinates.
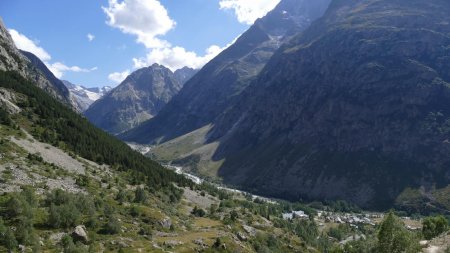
(99, 42)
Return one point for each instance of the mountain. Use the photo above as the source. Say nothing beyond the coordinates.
(85, 97)
(30, 67)
(218, 85)
(357, 108)
(184, 74)
(138, 98)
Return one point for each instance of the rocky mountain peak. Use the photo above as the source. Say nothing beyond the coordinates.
(138, 98)
(30, 67)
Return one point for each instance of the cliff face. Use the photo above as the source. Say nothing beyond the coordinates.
(356, 108)
(30, 67)
(138, 98)
(218, 86)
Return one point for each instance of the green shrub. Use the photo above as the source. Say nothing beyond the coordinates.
(198, 212)
(394, 238)
(434, 226)
(140, 195)
(70, 247)
(112, 227)
(63, 216)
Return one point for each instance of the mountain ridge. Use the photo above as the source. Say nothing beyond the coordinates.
(138, 98)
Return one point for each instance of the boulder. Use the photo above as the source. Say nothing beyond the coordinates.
(80, 234)
(241, 236)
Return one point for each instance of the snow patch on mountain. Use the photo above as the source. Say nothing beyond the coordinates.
(84, 97)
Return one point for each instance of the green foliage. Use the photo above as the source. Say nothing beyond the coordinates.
(198, 212)
(340, 232)
(58, 124)
(70, 247)
(7, 237)
(112, 227)
(4, 118)
(140, 195)
(19, 211)
(434, 226)
(267, 243)
(66, 209)
(307, 230)
(394, 238)
(234, 215)
(63, 216)
(9, 240)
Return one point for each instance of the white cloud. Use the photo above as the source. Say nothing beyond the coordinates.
(90, 37)
(147, 19)
(24, 43)
(177, 57)
(59, 68)
(248, 11)
(118, 77)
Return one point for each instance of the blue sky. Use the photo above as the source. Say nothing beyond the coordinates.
(126, 34)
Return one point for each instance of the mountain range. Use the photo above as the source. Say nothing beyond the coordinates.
(219, 84)
(353, 106)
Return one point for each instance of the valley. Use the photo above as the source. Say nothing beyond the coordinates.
(276, 126)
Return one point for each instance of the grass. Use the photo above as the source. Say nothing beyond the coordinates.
(192, 152)
(201, 223)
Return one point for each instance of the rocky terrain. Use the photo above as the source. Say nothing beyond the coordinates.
(84, 97)
(138, 98)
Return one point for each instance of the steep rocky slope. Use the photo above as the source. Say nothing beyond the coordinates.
(138, 98)
(30, 67)
(219, 84)
(84, 97)
(356, 108)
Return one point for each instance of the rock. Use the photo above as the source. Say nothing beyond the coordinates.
(172, 243)
(200, 243)
(423, 243)
(123, 244)
(80, 234)
(165, 223)
(242, 237)
(250, 230)
(56, 238)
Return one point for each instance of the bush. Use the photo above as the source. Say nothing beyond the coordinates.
(434, 226)
(70, 247)
(63, 216)
(198, 212)
(112, 227)
(140, 195)
(394, 238)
